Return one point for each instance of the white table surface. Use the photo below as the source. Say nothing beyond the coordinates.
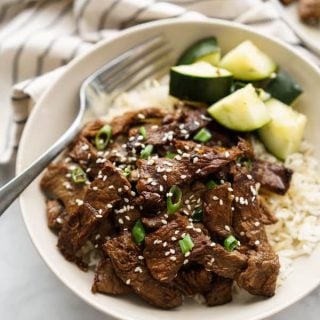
(29, 291)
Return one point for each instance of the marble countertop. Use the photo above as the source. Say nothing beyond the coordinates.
(29, 291)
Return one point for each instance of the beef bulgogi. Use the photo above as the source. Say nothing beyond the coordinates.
(170, 203)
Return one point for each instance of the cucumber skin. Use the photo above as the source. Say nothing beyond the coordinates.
(199, 49)
(206, 90)
(284, 88)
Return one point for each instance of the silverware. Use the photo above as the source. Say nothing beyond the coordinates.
(120, 74)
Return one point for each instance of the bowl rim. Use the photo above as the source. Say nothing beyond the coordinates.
(78, 60)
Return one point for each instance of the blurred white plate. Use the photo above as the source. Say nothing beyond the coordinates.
(54, 112)
(310, 35)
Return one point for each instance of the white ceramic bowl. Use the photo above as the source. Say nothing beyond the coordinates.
(53, 114)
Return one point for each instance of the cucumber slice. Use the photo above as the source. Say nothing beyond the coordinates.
(199, 82)
(242, 110)
(206, 50)
(247, 62)
(283, 88)
(283, 134)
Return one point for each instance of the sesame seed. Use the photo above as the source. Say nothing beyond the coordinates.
(127, 218)
(257, 242)
(109, 205)
(215, 198)
(165, 178)
(173, 238)
(141, 257)
(99, 216)
(167, 253)
(126, 200)
(119, 190)
(185, 261)
(173, 258)
(249, 176)
(79, 202)
(230, 189)
(212, 244)
(183, 176)
(94, 188)
(104, 178)
(120, 221)
(164, 221)
(128, 281)
(187, 254)
(161, 188)
(172, 251)
(242, 233)
(126, 188)
(165, 244)
(138, 269)
(100, 211)
(176, 232)
(221, 202)
(257, 223)
(227, 227)
(111, 187)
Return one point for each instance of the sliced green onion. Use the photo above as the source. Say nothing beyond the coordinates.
(126, 172)
(103, 137)
(143, 132)
(78, 175)
(197, 215)
(170, 155)
(211, 184)
(186, 244)
(203, 135)
(138, 232)
(146, 152)
(174, 199)
(230, 243)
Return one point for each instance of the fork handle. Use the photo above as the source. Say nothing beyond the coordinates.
(10, 191)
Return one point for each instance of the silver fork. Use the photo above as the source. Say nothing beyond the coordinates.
(120, 74)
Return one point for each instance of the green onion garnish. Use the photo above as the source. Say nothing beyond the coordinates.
(138, 232)
(170, 155)
(230, 243)
(126, 172)
(197, 215)
(203, 135)
(186, 244)
(78, 175)
(146, 152)
(103, 137)
(143, 132)
(211, 184)
(174, 199)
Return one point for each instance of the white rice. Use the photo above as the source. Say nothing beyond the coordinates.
(297, 232)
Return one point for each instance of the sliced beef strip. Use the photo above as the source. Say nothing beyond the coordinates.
(126, 259)
(56, 183)
(220, 293)
(267, 215)
(91, 128)
(162, 250)
(223, 263)
(192, 197)
(82, 152)
(150, 202)
(174, 126)
(101, 197)
(260, 276)
(106, 280)
(247, 214)
(194, 280)
(217, 210)
(56, 214)
(126, 216)
(158, 175)
(272, 177)
(154, 222)
(123, 123)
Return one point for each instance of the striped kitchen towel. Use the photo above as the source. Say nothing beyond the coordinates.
(39, 37)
